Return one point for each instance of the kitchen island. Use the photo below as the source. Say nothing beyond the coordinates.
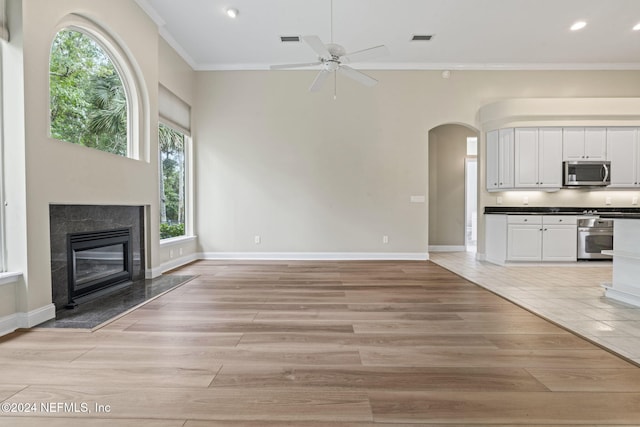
(625, 284)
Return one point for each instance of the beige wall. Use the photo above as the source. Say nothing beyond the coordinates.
(15, 211)
(309, 173)
(58, 172)
(447, 154)
(177, 76)
(40, 171)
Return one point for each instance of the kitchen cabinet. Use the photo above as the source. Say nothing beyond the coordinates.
(542, 238)
(623, 152)
(538, 157)
(500, 159)
(584, 144)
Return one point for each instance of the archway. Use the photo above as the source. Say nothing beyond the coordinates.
(451, 224)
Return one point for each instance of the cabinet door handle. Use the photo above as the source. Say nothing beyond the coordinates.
(545, 229)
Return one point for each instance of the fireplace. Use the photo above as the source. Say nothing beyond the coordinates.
(87, 223)
(97, 261)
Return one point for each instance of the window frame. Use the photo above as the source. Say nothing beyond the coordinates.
(188, 184)
(135, 91)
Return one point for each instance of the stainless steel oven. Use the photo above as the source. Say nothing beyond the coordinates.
(594, 235)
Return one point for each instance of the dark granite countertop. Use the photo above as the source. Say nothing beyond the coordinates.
(620, 215)
(544, 210)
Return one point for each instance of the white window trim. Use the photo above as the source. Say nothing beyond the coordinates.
(172, 241)
(188, 183)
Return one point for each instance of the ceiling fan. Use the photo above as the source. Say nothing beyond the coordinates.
(332, 58)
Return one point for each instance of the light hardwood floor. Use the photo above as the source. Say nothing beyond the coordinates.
(317, 343)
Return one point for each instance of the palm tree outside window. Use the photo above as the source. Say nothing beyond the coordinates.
(88, 101)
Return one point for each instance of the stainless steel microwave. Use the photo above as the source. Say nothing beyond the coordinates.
(586, 174)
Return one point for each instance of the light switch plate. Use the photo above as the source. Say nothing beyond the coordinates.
(634, 200)
(498, 200)
(607, 201)
(525, 200)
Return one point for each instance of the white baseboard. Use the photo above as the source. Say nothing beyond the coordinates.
(177, 262)
(622, 296)
(12, 322)
(315, 256)
(8, 324)
(37, 316)
(447, 248)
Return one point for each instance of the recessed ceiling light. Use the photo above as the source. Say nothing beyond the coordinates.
(637, 27)
(578, 25)
(232, 13)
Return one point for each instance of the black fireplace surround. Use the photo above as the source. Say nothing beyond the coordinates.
(94, 237)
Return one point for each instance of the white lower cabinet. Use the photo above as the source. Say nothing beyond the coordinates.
(542, 238)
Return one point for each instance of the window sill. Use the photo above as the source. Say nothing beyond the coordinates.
(9, 277)
(177, 240)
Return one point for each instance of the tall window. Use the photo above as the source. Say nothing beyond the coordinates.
(88, 103)
(172, 182)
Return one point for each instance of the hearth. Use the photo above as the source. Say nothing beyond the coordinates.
(97, 261)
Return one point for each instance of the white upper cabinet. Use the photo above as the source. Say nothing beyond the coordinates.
(538, 158)
(622, 151)
(595, 143)
(500, 159)
(526, 158)
(550, 157)
(584, 144)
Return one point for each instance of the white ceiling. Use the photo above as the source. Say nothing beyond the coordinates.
(468, 34)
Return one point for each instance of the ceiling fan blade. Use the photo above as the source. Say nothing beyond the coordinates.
(357, 75)
(285, 66)
(316, 44)
(319, 81)
(363, 54)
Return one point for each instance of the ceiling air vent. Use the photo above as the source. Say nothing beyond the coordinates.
(289, 39)
(421, 38)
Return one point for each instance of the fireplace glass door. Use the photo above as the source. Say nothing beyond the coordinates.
(97, 263)
(98, 260)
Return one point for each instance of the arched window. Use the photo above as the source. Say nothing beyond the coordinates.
(87, 96)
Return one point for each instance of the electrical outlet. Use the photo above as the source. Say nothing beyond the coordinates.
(634, 200)
(607, 201)
(499, 200)
(525, 200)
(385, 239)
(256, 240)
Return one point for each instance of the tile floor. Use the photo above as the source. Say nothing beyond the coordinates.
(568, 295)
